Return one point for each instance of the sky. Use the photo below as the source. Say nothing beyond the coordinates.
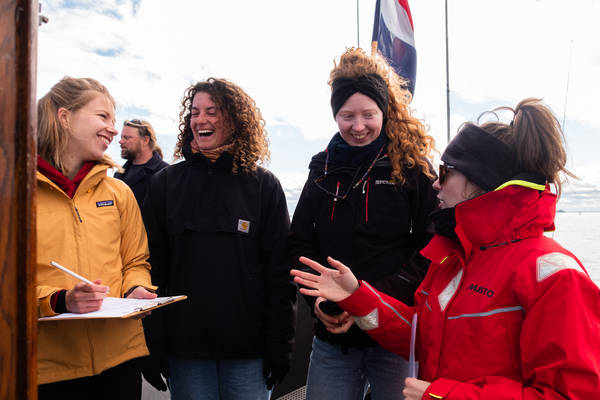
(281, 52)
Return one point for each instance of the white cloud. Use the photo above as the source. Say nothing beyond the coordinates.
(281, 53)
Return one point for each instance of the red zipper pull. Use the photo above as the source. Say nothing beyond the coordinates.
(368, 182)
(337, 191)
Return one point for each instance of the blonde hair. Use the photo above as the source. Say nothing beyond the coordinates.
(71, 94)
(537, 139)
(250, 144)
(409, 144)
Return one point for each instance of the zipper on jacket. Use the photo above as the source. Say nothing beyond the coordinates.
(337, 191)
(367, 183)
(78, 216)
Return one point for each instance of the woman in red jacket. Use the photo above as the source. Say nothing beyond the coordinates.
(504, 312)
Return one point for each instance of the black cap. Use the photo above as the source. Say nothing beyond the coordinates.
(482, 158)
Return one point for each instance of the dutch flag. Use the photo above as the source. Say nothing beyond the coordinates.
(393, 36)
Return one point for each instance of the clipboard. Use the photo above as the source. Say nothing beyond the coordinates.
(117, 307)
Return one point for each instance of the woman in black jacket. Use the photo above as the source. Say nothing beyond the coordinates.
(217, 224)
(366, 203)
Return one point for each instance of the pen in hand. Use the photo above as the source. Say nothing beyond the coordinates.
(73, 274)
(83, 297)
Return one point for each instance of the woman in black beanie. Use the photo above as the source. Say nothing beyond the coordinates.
(504, 311)
(366, 202)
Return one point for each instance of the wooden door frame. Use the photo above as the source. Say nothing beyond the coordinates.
(18, 158)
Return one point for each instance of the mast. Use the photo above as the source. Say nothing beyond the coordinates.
(447, 79)
(567, 88)
(357, 26)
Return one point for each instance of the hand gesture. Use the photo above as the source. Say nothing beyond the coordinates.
(85, 297)
(332, 284)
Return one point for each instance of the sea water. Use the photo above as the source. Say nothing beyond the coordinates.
(579, 232)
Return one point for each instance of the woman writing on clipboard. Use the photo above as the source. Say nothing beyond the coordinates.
(91, 224)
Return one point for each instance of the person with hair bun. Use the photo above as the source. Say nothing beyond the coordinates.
(504, 311)
(366, 202)
(90, 223)
(143, 154)
(217, 224)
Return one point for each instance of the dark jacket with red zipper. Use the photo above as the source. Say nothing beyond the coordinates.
(376, 228)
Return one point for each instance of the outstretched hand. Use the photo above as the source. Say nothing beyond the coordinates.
(332, 284)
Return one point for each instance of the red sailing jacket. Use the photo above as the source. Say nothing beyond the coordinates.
(507, 313)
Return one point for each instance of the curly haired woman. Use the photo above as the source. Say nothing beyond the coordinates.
(366, 202)
(217, 225)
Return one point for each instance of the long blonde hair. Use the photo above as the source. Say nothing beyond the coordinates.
(71, 94)
(409, 144)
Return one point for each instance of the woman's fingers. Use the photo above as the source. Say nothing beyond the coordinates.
(309, 283)
(307, 276)
(312, 264)
(309, 292)
(337, 265)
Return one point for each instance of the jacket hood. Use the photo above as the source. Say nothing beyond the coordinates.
(512, 213)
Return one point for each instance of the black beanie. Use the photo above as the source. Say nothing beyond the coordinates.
(371, 85)
(482, 158)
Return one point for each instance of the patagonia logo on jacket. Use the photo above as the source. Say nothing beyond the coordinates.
(105, 203)
(481, 290)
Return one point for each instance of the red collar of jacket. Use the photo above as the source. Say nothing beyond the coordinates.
(509, 214)
(67, 185)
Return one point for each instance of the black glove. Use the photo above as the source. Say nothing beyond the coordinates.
(153, 370)
(276, 367)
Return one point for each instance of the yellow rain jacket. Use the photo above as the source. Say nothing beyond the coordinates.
(98, 234)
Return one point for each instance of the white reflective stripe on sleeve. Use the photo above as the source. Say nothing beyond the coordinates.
(488, 313)
(449, 290)
(384, 303)
(369, 321)
(551, 263)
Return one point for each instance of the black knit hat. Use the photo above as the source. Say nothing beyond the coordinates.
(482, 158)
(371, 85)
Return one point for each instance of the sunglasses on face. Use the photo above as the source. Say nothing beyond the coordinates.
(444, 170)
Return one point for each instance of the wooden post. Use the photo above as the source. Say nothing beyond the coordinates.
(18, 309)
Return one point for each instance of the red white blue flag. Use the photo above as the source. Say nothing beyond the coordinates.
(393, 37)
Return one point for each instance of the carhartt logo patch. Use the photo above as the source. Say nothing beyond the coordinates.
(105, 203)
(243, 225)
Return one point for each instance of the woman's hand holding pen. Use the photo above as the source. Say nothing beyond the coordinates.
(85, 297)
(141, 293)
(332, 284)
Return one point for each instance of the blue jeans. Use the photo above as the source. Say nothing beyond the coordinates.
(217, 379)
(335, 375)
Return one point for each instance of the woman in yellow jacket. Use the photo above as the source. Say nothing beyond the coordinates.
(90, 223)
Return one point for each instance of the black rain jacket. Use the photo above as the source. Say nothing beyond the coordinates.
(220, 239)
(377, 230)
